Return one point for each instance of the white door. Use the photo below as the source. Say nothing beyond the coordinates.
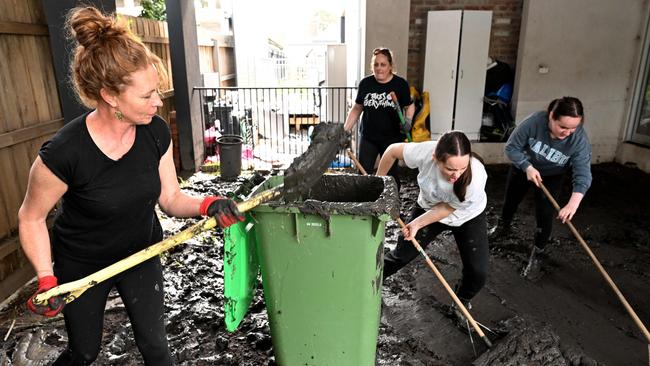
(440, 62)
(474, 46)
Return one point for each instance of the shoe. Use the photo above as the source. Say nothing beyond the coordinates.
(502, 230)
(457, 315)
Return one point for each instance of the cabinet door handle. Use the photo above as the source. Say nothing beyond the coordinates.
(461, 74)
(452, 74)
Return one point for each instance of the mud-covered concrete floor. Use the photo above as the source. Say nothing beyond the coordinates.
(568, 316)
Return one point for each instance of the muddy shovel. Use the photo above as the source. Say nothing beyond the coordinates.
(435, 270)
(327, 140)
(74, 289)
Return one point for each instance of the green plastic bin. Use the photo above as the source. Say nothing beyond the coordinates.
(240, 270)
(321, 261)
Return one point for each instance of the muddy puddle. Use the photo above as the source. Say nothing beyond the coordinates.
(567, 316)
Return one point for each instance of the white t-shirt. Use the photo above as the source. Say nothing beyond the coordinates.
(435, 188)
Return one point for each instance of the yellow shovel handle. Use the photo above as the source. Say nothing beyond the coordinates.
(74, 289)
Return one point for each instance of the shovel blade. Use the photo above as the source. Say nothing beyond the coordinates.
(326, 141)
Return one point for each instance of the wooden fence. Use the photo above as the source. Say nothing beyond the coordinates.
(30, 113)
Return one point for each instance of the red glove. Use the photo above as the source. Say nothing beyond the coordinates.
(223, 209)
(54, 304)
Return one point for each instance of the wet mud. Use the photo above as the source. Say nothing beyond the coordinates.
(349, 194)
(326, 140)
(566, 316)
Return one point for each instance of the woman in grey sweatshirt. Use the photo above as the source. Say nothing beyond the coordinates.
(543, 147)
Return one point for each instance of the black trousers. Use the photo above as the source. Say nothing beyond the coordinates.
(368, 151)
(471, 239)
(141, 290)
(517, 185)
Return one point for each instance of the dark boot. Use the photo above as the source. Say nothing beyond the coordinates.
(459, 318)
(457, 315)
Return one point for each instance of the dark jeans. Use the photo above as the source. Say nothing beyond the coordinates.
(141, 290)
(368, 151)
(471, 239)
(517, 186)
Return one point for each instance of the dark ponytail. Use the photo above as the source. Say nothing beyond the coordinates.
(565, 106)
(455, 143)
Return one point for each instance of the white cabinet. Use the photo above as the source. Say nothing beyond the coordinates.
(454, 69)
(336, 76)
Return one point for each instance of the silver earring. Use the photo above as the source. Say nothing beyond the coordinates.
(119, 115)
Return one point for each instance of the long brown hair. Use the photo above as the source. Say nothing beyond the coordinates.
(455, 143)
(107, 53)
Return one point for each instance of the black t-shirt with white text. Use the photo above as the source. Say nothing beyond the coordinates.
(380, 121)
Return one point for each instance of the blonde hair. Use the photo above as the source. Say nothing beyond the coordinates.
(107, 53)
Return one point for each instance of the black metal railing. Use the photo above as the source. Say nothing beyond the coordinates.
(274, 122)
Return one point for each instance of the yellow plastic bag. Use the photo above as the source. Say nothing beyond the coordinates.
(419, 131)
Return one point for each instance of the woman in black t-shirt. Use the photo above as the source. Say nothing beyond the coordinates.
(380, 124)
(109, 167)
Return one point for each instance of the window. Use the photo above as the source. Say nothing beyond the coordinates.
(639, 130)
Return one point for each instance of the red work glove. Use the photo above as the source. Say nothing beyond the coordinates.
(54, 304)
(223, 209)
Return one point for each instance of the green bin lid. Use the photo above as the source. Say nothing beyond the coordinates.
(240, 269)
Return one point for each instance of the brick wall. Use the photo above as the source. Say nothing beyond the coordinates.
(506, 21)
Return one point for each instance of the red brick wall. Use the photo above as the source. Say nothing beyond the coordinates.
(506, 21)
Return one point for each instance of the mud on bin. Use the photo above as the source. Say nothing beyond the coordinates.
(321, 261)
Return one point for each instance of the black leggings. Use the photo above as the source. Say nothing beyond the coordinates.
(368, 151)
(141, 290)
(471, 239)
(517, 185)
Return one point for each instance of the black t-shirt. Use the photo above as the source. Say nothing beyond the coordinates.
(380, 121)
(108, 211)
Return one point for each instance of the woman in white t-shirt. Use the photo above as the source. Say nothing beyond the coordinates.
(452, 197)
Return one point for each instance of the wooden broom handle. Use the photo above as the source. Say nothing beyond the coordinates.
(439, 275)
(609, 280)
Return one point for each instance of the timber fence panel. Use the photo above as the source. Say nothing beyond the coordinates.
(30, 113)
(30, 110)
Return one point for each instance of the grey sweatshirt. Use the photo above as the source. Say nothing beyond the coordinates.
(531, 144)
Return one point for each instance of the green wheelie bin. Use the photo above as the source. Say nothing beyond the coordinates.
(321, 261)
